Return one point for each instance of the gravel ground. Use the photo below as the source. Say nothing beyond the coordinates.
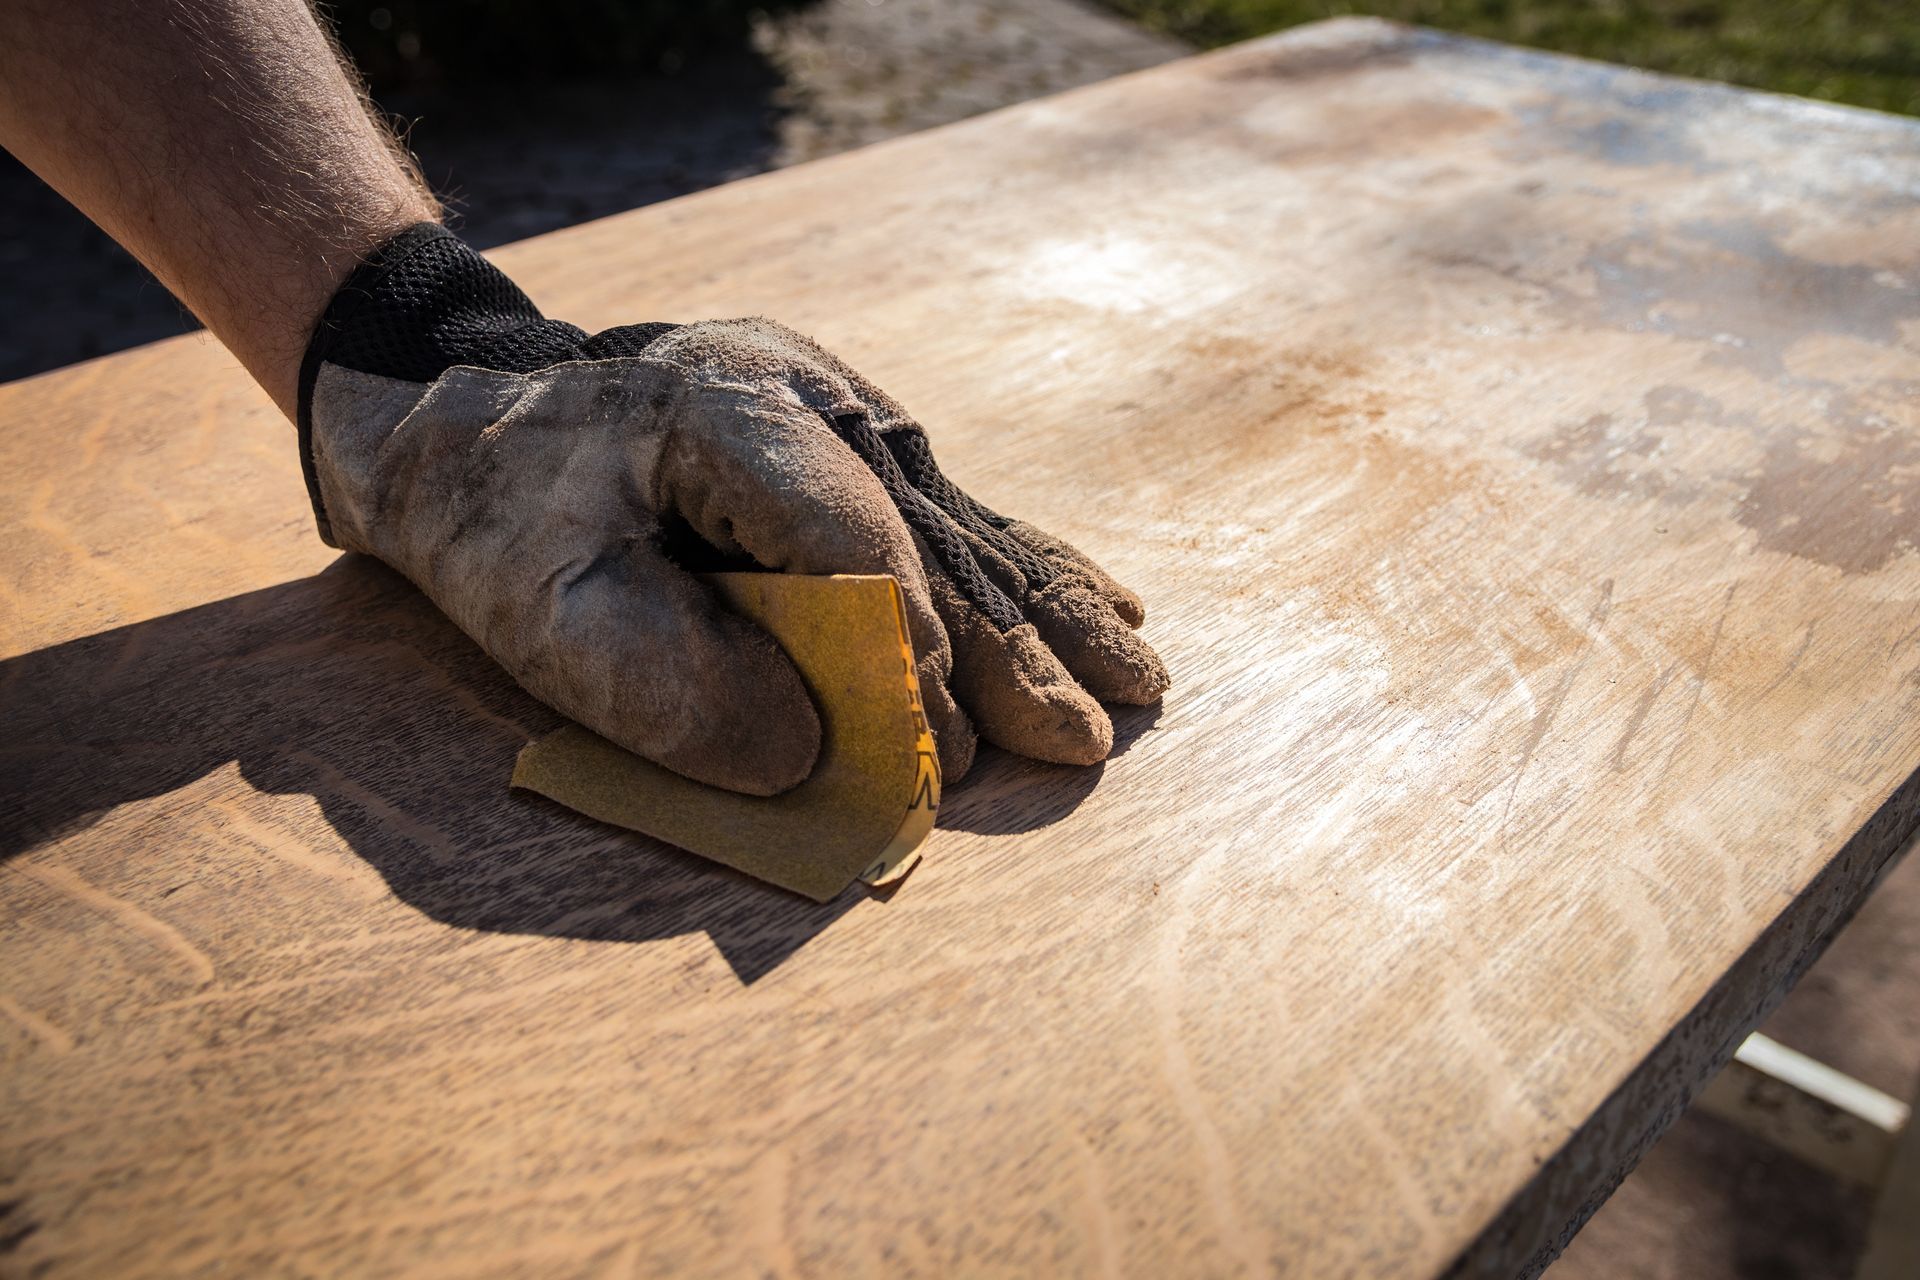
(1708, 1202)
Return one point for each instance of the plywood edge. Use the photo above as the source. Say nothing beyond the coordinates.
(1541, 1220)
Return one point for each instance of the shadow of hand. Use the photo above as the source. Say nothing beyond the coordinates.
(350, 687)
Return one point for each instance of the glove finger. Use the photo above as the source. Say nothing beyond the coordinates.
(1018, 694)
(1069, 558)
(641, 653)
(1015, 541)
(776, 481)
(1095, 643)
(1081, 626)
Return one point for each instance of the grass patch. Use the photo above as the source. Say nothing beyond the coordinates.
(1864, 52)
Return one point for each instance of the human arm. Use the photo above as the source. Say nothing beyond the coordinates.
(544, 485)
(222, 143)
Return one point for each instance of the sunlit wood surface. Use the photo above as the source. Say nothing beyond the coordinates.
(1521, 462)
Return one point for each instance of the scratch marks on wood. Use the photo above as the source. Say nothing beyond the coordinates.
(1701, 670)
(39, 1028)
(1638, 716)
(1701, 666)
(1793, 663)
(1543, 716)
(124, 914)
(1905, 639)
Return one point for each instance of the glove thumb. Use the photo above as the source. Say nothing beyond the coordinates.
(643, 654)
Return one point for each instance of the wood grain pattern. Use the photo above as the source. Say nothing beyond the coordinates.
(1521, 462)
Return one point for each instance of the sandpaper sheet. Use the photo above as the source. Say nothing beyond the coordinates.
(870, 800)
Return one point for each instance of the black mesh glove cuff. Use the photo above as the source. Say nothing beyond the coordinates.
(423, 303)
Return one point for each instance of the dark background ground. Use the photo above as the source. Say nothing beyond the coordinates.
(1708, 1202)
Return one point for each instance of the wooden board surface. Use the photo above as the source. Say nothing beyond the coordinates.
(1521, 461)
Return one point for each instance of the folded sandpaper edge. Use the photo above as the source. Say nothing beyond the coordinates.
(899, 858)
(871, 799)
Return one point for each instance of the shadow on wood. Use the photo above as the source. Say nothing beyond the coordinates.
(1006, 794)
(350, 687)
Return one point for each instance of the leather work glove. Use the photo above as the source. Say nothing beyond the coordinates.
(552, 492)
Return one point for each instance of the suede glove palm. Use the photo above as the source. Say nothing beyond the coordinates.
(552, 492)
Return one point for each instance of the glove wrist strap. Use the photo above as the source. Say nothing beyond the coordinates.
(423, 303)
(418, 305)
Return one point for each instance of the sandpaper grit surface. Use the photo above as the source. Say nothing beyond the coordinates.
(872, 796)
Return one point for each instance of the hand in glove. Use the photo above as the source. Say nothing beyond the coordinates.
(549, 491)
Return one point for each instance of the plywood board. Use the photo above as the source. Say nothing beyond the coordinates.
(1520, 459)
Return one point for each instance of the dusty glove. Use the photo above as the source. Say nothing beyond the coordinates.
(552, 492)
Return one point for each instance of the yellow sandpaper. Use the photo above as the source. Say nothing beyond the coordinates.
(870, 799)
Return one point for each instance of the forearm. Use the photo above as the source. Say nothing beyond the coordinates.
(221, 142)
